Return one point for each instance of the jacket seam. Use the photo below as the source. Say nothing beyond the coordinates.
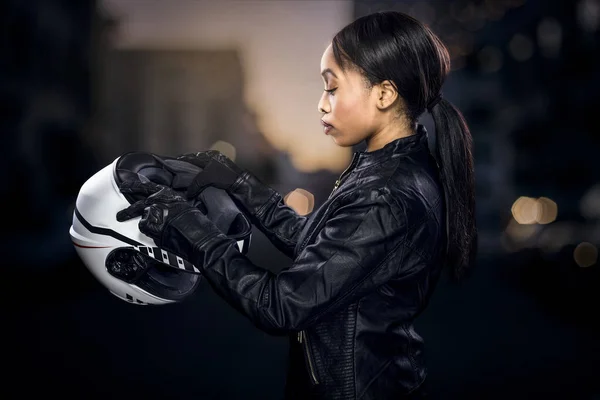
(373, 164)
(268, 315)
(264, 296)
(377, 375)
(260, 212)
(409, 243)
(418, 385)
(408, 347)
(318, 224)
(387, 181)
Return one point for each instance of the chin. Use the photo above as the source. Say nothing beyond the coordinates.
(339, 142)
(344, 142)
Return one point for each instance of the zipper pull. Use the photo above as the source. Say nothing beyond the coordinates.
(300, 337)
(337, 183)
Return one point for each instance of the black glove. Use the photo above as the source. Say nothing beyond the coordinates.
(217, 170)
(160, 208)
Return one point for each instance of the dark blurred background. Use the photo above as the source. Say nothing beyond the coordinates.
(82, 82)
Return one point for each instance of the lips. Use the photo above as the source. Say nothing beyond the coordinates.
(326, 127)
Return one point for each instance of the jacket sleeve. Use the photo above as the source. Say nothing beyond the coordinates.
(266, 210)
(360, 247)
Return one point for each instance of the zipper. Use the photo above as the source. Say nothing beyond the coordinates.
(304, 343)
(339, 180)
(302, 337)
(310, 233)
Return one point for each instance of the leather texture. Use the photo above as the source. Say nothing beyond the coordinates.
(364, 266)
(217, 170)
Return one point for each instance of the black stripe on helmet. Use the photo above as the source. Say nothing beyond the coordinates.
(105, 231)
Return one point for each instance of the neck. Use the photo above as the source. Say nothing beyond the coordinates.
(388, 134)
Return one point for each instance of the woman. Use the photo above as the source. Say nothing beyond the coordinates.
(366, 262)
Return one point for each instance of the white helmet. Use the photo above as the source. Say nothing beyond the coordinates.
(124, 260)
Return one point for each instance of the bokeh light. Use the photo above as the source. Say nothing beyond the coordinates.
(490, 59)
(588, 14)
(494, 9)
(585, 254)
(527, 210)
(549, 36)
(224, 147)
(520, 47)
(519, 232)
(554, 237)
(589, 204)
(547, 210)
(302, 201)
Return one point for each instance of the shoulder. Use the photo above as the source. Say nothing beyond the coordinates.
(375, 202)
(411, 185)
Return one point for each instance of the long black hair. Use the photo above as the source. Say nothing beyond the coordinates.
(394, 46)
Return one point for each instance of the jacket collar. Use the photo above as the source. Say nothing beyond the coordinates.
(400, 146)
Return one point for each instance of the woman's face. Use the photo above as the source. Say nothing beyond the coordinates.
(350, 114)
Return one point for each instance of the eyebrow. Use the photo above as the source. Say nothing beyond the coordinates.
(328, 71)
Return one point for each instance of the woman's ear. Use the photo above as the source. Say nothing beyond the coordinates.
(386, 94)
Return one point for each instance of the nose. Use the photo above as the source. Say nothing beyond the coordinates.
(323, 105)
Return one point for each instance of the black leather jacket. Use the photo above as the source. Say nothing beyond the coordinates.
(365, 264)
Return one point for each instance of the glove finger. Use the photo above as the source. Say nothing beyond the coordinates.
(137, 187)
(143, 224)
(152, 218)
(165, 195)
(146, 188)
(215, 154)
(199, 159)
(133, 211)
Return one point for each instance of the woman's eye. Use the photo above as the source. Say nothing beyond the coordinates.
(330, 91)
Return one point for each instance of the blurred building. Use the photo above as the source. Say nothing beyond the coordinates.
(192, 75)
(171, 102)
(278, 46)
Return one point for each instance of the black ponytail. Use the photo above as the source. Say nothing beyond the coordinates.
(454, 153)
(394, 46)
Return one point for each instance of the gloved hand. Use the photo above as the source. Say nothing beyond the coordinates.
(217, 170)
(162, 206)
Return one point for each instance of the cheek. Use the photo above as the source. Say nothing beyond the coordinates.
(347, 110)
(352, 115)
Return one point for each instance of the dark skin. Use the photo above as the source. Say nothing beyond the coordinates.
(358, 112)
